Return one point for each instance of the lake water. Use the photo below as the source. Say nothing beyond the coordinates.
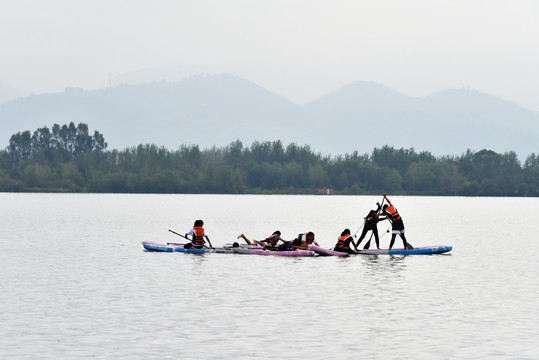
(76, 282)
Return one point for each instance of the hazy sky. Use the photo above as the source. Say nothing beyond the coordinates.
(417, 47)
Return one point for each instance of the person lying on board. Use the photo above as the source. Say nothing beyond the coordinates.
(343, 244)
(197, 236)
(397, 225)
(291, 246)
(370, 223)
(270, 241)
(306, 239)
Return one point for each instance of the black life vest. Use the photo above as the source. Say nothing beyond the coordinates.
(273, 239)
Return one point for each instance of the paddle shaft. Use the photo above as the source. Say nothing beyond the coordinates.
(408, 245)
(185, 237)
(368, 244)
(174, 232)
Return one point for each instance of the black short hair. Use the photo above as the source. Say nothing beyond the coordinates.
(296, 242)
(345, 232)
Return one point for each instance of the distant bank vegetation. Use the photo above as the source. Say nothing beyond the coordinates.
(68, 159)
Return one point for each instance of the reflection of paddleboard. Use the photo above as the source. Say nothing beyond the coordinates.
(425, 250)
(272, 252)
(326, 252)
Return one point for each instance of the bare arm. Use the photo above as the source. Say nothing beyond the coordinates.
(389, 202)
(207, 238)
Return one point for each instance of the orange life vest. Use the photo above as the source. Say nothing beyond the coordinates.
(198, 238)
(393, 212)
(342, 242)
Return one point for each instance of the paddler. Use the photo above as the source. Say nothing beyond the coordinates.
(343, 244)
(197, 236)
(270, 241)
(370, 223)
(397, 225)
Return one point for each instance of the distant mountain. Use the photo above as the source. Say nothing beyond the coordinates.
(448, 122)
(217, 109)
(204, 110)
(8, 93)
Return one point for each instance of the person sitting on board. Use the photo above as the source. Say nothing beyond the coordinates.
(343, 244)
(397, 225)
(370, 222)
(197, 236)
(269, 242)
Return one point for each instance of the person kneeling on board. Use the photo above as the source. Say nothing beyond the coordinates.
(197, 236)
(343, 244)
(397, 225)
(269, 242)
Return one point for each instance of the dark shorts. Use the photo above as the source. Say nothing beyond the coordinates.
(191, 246)
(398, 225)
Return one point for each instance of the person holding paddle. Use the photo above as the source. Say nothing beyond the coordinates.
(197, 236)
(397, 225)
(370, 223)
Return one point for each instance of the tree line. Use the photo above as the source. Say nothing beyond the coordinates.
(68, 159)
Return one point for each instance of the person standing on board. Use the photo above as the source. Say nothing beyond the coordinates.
(197, 236)
(397, 225)
(343, 244)
(371, 221)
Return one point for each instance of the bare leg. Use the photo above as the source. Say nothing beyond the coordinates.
(241, 236)
(405, 243)
(392, 241)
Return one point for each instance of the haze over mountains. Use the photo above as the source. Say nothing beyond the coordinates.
(7, 93)
(217, 109)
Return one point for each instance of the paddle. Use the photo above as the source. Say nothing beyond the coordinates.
(361, 227)
(368, 244)
(174, 232)
(185, 237)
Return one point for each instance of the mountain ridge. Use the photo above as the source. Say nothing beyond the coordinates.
(213, 110)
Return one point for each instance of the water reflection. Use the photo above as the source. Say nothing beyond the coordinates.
(377, 264)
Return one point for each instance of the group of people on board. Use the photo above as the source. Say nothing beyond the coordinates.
(301, 242)
(304, 240)
(370, 224)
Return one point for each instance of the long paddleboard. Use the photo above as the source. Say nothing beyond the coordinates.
(326, 252)
(172, 247)
(273, 252)
(425, 250)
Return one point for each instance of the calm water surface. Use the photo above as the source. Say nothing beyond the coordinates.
(76, 282)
